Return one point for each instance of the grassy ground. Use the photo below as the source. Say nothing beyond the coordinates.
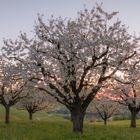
(45, 127)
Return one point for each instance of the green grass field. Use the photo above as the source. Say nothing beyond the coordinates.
(45, 127)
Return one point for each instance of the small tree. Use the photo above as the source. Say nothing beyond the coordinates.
(34, 102)
(105, 108)
(127, 90)
(12, 85)
(129, 96)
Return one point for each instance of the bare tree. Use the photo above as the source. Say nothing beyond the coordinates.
(73, 58)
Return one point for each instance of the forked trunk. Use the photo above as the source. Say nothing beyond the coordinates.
(7, 115)
(77, 118)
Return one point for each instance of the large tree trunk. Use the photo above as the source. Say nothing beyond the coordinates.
(7, 115)
(77, 118)
(30, 115)
(133, 119)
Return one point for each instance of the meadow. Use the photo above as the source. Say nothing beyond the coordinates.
(48, 127)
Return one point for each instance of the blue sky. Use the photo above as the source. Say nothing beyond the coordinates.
(19, 15)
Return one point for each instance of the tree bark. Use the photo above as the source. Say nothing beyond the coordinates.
(105, 122)
(7, 115)
(77, 118)
(30, 115)
(133, 119)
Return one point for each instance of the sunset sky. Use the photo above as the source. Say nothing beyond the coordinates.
(20, 15)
